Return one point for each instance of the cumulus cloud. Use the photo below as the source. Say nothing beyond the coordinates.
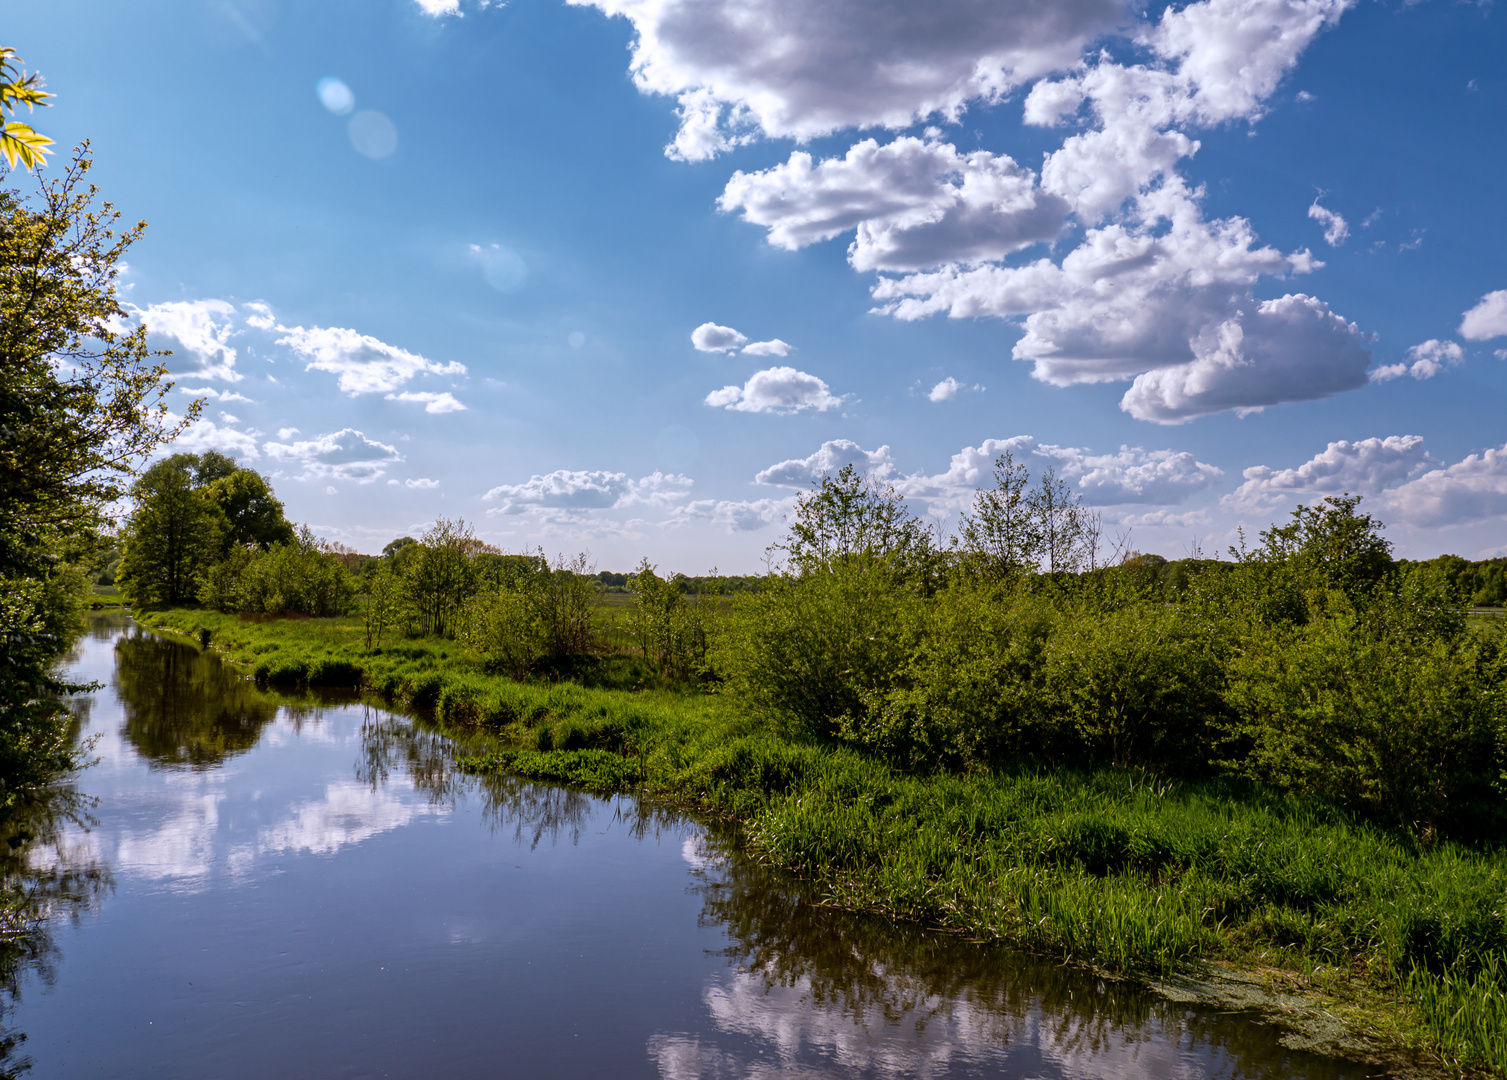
(746, 515)
(202, 327)
(346, 454)
(829, 458)
(433, 403)
(1152, 293)
(1336, 228)
(790, 68)
(910, 203)
(709, 337)
(437, 8)
(775, 347)
(568, 489)
(948, 389)
(421, 483)
(1486, 320)
(777, 390)
(204, 435)
(1470, 490)
(211, 394)
(1428, 359)
(1363, 467)
(363, 364)
(1130, 475)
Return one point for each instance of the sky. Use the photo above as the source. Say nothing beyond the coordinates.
(627, 276)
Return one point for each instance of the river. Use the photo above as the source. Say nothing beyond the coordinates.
(264, 886)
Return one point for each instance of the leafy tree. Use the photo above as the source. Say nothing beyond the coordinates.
(81, 403)
(18, 142)
(848, 515)
(1332, 545)
(253, 515)
(173, 537)
(1002, 532)
(439, 576)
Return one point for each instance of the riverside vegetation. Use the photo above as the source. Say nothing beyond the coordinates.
(1291, 760)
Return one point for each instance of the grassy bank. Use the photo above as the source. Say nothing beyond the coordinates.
(1118, 869)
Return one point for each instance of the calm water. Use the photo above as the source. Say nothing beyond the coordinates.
(275, 888)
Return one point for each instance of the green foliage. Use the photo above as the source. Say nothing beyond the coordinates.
(253, 515)
(173, 537)
(81, 403)
(811, 650)
(848, 517)
(439, 575)
(504, 630)
(18, 141)
(302, 577)
(531, 611)
(673, 629)
(1016, 528)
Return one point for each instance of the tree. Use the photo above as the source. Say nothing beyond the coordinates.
(253, 514)
(81, 403)
(439, 576)
(18, 142)
(1332, 545)
(848, 515)
(1002, 531)
(173, 538)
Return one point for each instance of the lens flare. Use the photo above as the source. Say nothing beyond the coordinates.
(335, 95)
(372, 134)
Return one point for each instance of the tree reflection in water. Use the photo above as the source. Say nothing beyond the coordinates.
(183, 708)
(43, 879)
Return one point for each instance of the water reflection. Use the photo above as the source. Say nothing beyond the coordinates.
(44, 880)
(185, 709)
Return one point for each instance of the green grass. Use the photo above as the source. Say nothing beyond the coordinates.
(1116, 869)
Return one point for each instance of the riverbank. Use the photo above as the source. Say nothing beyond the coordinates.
(1172, 882)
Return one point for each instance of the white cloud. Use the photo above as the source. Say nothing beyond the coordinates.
(911, 203)
(778, 390)
(588, 490)
(437, 8)
(709, 337)
(1130, 475)
(203, 327)
(286, 433)
(214, 395)
(948, 389)
(1486, 320)
(422, 483)
(748, 515)
(775, 347)
(364, 364)
(1429, 359)
(204, 435)
(341, 455)
(1336, 228)
(433, 403)
(1363, 467)
(1470, 490)
(829, 458)
(791, 68)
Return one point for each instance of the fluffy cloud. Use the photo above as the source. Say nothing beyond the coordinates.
(797, 69)
(1363, 467)
(709, 337)
(421, 483)
(830, 458)
(1429, 359)
(433, 403)
(363, 364)
(911, 203)
(748, 515)
(341, 455)
(203, 327)
(1153, 292)
(1470, 490)
(1130, 475)
(212, 394)
(945, 390)
(1486, 320)
(1336, 228)
(775, 347)
(204, 435)
(777, 390)
(567, 489)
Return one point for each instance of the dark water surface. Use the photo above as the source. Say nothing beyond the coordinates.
(291, 890)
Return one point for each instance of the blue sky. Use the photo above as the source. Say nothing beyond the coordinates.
(446, 258)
